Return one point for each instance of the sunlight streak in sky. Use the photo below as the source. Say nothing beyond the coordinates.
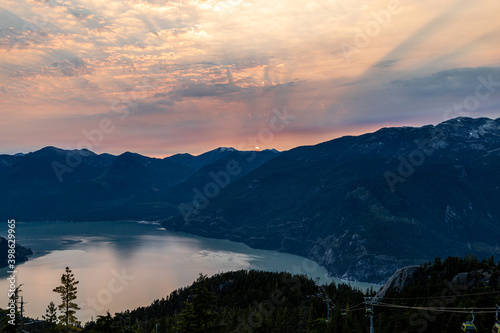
(177, 76)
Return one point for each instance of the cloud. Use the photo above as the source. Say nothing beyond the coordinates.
(218, 67)
(386, 63)
(157, 95)
(204, 90)
(73, 67)
(167, 102)
(452, 82)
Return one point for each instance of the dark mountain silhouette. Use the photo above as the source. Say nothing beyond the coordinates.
(361, 206)
(364, 206)
(21, 253)
(57, 184)
(197, 162)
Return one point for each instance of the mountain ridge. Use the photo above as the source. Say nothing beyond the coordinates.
(57, 184)
(349, 219)
(362, 206)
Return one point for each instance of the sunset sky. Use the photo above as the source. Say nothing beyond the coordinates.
(160, 77)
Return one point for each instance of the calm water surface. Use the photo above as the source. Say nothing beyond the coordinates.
(123, 265)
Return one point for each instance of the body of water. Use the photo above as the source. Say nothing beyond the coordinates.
(124, 265)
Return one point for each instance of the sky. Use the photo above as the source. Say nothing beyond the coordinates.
(160, 77)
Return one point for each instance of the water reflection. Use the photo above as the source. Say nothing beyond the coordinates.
(123, 265)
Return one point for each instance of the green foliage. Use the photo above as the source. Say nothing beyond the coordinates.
(187, 320)
(262, 302)
(254, 302)
(241, 301)
(50, 318)
(7, 327)
(199, 314)
(12, 321)
(119, 324)
(461, 283)
(67, 290)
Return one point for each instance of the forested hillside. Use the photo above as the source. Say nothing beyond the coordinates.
(438, 297)
(21, 253)
(435, 297)
(242, 301)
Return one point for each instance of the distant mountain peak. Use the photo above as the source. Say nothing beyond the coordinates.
(468, 121)
(225, 149)
(52, 149)
(335, 202)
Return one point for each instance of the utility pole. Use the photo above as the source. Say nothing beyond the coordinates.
(371, 323)
(325, 299)
(328, 303)
(22, 307)
(369, 301)
(21, 312)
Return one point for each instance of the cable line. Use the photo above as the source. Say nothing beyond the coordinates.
(438, 309)
(440, 297)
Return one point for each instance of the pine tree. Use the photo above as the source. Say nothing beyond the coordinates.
(7, 326)
(68, 291)
(50, 318)
(199, 314)
(13, 324)
(187, 320)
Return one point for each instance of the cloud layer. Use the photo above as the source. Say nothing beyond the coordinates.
(175, 76)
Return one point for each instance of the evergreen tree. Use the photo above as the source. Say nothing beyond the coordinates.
(187, 320)
(67, 291)
(7, 325)
(13, 324)
(103, 323)
(199, 314)
(50, 318)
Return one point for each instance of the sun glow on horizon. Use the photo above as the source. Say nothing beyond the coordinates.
(187, 75)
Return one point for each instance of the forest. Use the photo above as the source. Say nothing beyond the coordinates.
(436, 297)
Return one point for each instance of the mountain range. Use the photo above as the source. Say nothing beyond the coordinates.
(57, 184)
(362, 206)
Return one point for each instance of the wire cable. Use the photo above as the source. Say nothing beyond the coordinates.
(439, 309)
(440, 297)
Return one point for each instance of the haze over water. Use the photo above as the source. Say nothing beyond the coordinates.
(124, 265)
